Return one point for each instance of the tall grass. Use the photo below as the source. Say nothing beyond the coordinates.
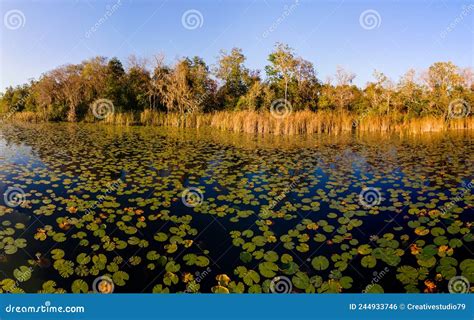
(123, 119)
(302, 122)
(27, 116)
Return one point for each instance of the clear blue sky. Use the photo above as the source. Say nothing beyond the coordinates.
(409, 34)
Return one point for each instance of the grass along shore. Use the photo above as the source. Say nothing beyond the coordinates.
(301, 122)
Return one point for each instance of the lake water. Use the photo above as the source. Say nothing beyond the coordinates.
(155, 210)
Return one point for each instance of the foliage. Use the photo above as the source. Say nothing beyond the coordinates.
(190, 86)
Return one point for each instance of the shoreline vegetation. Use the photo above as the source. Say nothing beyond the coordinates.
(297, 123)
(288, 100)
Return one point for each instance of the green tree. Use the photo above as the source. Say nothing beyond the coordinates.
(138, 85)
(258, 97)
(282, 69)
(235, 77)
(115, 84)
(293, 77)
(409, 94)
(95, 79)
(444, 84)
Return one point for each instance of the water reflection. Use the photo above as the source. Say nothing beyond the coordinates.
(290, 196)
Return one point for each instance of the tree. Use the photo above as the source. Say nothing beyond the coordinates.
(115, 84)
(343, 93)
(202, 86)
(138, 84)
(282, 68)
(186, 88)
(467, 75)
(385, 88)
(344, 77)
(444, 83)
(410, 94)
(70, 88)
(95, 78)
(15, 99)
(293, 76)
(258, 97)
(45, 92)
(306, 86)
(159, 83)
(235, 77)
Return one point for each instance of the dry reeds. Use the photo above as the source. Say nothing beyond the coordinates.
(302, 122)
(295, 123)
(124, 119)
(26, 116)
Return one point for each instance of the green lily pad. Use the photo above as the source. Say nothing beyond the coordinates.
(320, 263)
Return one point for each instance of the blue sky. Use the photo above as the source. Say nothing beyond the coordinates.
(404, 34)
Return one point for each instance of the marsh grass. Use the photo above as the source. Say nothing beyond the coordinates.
(25, 116)
(301, 122)
(123, 119)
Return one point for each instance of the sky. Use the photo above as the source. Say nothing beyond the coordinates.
(361, 36)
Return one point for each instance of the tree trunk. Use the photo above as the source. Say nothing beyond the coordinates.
(71, 116)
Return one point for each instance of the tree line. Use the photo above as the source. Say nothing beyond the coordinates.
(192, 86)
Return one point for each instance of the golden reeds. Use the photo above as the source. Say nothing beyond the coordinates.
(304, 122)
(301, 122)
(26, 116)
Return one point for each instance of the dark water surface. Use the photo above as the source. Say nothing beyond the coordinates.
(259, 214)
